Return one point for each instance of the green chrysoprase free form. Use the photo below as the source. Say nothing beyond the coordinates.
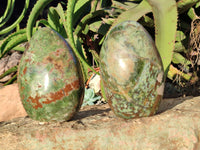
(50, 82)
(131, 71)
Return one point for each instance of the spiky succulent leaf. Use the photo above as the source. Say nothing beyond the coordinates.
(165, 18)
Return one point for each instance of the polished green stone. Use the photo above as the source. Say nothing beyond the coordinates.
(131, 71)
(50, 82)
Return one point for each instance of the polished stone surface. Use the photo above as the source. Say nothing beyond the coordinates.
(131, 71)
(50, 84)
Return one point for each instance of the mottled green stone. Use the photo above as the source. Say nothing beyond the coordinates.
(131, 70)
(50, 82)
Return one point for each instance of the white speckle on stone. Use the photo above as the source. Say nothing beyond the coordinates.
(160, 77)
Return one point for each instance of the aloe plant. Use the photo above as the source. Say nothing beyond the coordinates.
(85, 23)
(7, 14)
(8, 40)
(170, 43)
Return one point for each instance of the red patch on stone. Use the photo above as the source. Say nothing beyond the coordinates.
(58, 52)
(24, 71)
(54, 96)
(27, 60)
(36, 101)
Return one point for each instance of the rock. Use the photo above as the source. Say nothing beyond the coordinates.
(175, 126)
(10, 104)
(95, 83)
(7, 63)
(3, 63)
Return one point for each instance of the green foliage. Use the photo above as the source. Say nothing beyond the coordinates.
(171, 35)
(7, 15)
(85, 23)
(12, 41)
(165, 18)
(90, 98)
(7, 40)
(39, 6)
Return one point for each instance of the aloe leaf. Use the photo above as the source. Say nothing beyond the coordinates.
(61, 12)
(80, 49)
(174, 71)
(191, 13)
(16, 40)
(19, 48)
(53, 19)
(180, 36)
(147, 21)
(165, 17)
(94, 5)
(85, 20)
(11, 80)
(8, 12)
(181, 42)
(197, 4)
(60, 23)
(9, 71)
(78, 10)
(73, 39)
(124, 5)
(179, 47)
(134, 13)
(105, 3)
(38, 7)
(179, 59)
(184, 5)
(42, 21)
(8, 40)
(99, 27)
(11, 27)
(79, 5)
